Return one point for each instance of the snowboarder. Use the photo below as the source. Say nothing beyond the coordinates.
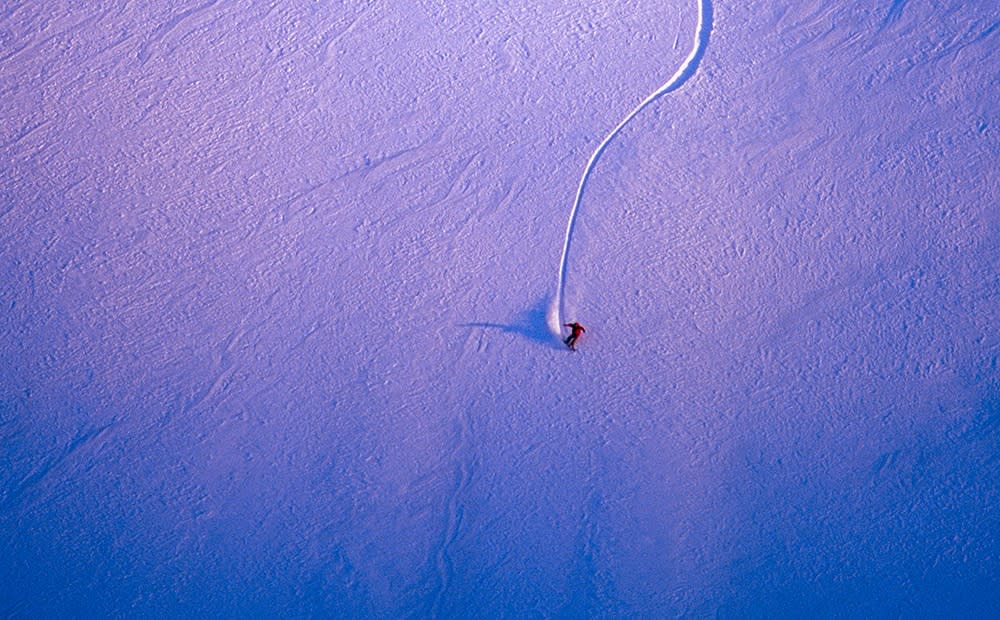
(573, 337)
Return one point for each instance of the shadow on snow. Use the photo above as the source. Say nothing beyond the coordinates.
(530, 324)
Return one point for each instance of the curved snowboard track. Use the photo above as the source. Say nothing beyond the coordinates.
(557, 314)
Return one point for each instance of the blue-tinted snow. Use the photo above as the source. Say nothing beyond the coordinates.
(275, 283)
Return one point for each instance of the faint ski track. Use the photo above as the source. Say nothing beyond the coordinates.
(556, 314)
(333, 37)
(893, 15)
(443, 563)
(24, 132)
(465, 466)
(160, 33)
(584, 584)
(223, 367)
(43, 470)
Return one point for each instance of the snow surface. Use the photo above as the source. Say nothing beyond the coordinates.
(276, 277)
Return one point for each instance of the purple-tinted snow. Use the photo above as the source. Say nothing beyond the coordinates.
(275, 282)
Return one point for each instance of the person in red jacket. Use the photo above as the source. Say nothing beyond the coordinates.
(573, 337)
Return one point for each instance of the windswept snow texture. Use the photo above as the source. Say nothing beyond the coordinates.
(275, 277)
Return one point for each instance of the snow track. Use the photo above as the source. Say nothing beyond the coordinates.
(557, 314)
(149, 47)
(268, 355)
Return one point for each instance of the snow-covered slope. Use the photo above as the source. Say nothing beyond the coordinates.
(276, 277)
